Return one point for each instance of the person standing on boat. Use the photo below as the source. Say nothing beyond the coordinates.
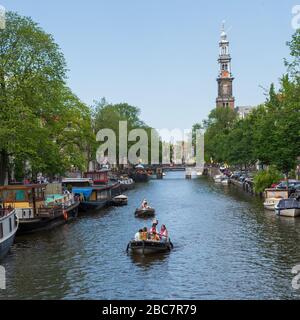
(145, 204)
(164, 234)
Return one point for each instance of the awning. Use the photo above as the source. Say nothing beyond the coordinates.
(86, 192)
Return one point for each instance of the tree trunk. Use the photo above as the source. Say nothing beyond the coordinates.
(3, 167)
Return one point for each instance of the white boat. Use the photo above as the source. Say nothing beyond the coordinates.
(121, 200)
(271, 203)
(288, 208)
(225, 181)
(222, 179)
(218, 179)
(8, 228)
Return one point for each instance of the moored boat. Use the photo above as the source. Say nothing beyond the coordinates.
(37, 211)
(119, 201)
(126, 183)
(145, 213)
(149, 247)
(92, 197)
(288, 208)
(139, 174)
(8, 228)
(273, 197)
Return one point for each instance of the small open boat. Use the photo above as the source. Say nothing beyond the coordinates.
(149, 247)
(144, 213)
(120, 201)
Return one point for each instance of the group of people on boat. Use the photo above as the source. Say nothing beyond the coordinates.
(153, 234)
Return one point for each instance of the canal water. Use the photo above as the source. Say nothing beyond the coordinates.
(226, 247)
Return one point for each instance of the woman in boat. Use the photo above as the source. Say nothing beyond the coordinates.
(155, 237)
(139, 235)
(153, 229)
(144, 234)
(164, 234)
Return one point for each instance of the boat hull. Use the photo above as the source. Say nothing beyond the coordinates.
(139, 213)
(292, 213)
(140, 177)
(86, 206)
(41, 224)
(6, 245)
(149, 247)
(9, 226)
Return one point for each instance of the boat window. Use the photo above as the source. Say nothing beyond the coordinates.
(102, 195)
(1, 230)
(20, 195)
(10, 225)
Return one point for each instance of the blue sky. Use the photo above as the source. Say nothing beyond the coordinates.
(162, 55)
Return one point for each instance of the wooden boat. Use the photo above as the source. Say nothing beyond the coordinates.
(149, 247)
(288, 208)
(37, 211)
(145, 213)
(8, 228)
(120, 201)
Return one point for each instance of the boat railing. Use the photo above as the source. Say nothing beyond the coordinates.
(48, 212)
(5, 212)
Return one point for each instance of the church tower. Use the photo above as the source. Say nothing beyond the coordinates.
(225, 78)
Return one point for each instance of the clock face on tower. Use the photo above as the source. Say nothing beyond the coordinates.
(225, 89)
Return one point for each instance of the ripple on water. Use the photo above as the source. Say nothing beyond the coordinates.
(226, 247)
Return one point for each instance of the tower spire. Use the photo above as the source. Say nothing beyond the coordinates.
(225, 79)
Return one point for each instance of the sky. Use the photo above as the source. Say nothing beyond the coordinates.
(161, 56)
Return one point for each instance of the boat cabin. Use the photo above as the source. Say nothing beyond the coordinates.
(23, 196)
(98, 177)
(276, 194)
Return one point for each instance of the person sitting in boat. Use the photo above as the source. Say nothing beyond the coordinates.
(144, 236)
(155, 237)
(153, 229)
(164, 234)
(138, 236)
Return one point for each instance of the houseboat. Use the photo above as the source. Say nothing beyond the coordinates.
(140, 174)
(8, 227)
(36, 210)
(273, 197)
(92, 197)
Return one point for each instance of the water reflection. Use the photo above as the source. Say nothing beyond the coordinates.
(226, 247)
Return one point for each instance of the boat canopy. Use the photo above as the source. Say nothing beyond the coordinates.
(86, 192)
(289, 204)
